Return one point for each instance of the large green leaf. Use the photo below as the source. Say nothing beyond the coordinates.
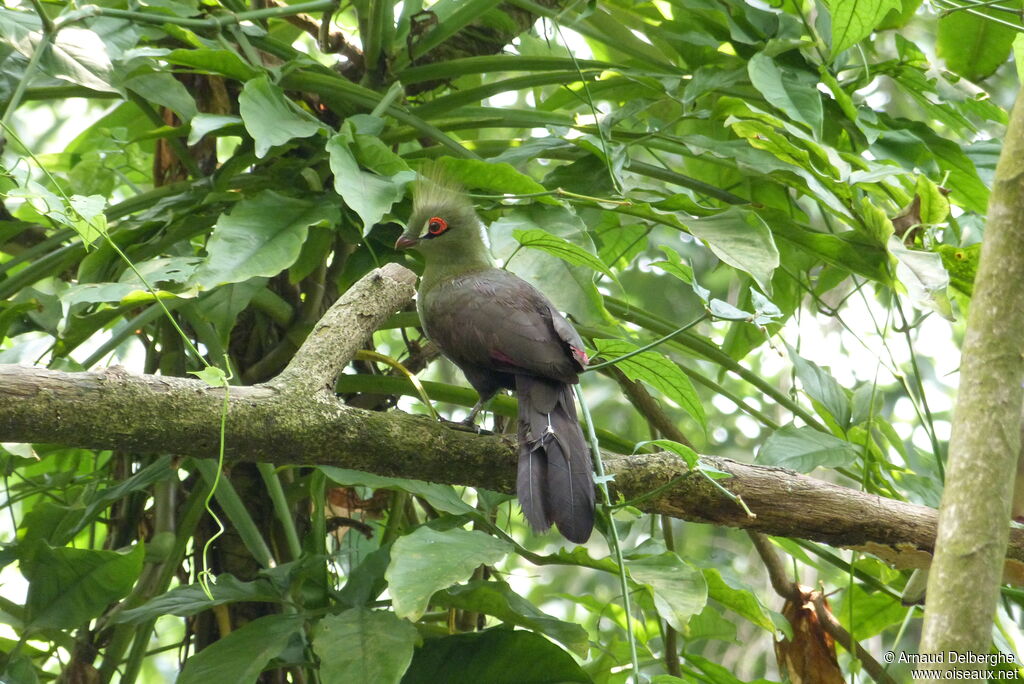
(214, 61)
(561, 248)
(241, 655)
(741, 239)
(498, 178)
(191, 599)
(657, 371)
(924, 276)
(368, 194)
(363, 646)
(743, 602)
(427, 561)
(872, 613)
(498, 599)
(793, 91)
(496, 656)
(162, 88)
(571, 288)
(76, 54)
(270, 117)
(678, 589)
(68, 587)
(803, 449)
(262, 236)
(854, 20)
(974, 46)
(822, 387)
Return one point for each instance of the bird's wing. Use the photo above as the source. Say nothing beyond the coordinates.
(494, 319)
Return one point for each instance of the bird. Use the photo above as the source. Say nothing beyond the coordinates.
(503, 333)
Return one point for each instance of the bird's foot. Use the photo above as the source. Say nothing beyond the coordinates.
(464, 426)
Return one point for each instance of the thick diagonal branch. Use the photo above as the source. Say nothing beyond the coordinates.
(345, 328)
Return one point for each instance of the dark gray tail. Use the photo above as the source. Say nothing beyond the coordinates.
(554, 484)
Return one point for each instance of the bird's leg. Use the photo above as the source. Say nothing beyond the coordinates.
(468, 423)
(471, 418)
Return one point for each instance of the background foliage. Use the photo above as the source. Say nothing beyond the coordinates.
(804, 184)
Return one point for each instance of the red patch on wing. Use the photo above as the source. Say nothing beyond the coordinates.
(498, 357)
(580, 356)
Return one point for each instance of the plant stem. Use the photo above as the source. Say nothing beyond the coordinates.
(613, 537)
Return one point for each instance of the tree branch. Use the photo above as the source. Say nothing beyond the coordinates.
(344, 329)
(295, 420)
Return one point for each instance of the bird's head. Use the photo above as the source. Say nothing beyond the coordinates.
(443, 220)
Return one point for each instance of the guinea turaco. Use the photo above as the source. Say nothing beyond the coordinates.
(504, 333)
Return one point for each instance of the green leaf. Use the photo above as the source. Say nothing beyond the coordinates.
(212, 376)
(262, 236)
(213, 61)
(657, 371)
(162, 88)
(202, 124)
(498, 599)
(369, 195)
(68, 587)
(741, 239)
(495, 656)
(570, 288)
(822, 387)
(681, 450)
(427, 561)
(242, 654)
(974, 46)
(803, 449)
(191, 599)
(678, 589)
(441, 496)
(743, 602)
(854, 20)
(80, 56)
(793, 91)
(674, 265)
(561, 248)
(934, 205)
(872, 613)
(923, 275)
(708, 624)
(848, 251)
(361, 645)
(270, 117)
(499, 178)
(913, 143)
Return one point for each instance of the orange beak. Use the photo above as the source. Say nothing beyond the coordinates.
(405, 242)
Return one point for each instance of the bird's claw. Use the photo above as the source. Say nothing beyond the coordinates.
(464, 426)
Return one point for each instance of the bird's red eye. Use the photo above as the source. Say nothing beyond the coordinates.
(437, 225)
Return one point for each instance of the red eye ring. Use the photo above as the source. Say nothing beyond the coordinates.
(436, 225)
